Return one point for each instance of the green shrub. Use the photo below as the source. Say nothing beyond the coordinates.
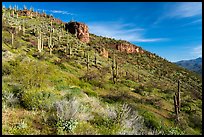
(173, 131)
(84, 84)
(91, 93)
(21, 128)
(73, 92)
(195, 120)
(140, 90)
(85, 128)
(6, 68)
(105, 126)
(95, 78)
(34, 99)
(66, 125)
(129, 83)
(31, 74)
(151, 121)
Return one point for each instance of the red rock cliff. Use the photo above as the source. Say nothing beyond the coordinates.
(127, 47)
(80, 29)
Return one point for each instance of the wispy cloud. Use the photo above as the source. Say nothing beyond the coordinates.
(57, 12)
(121, 31)
(193, 22)
(61, 12)
(197, 51)
(186, 9)
(180, 10)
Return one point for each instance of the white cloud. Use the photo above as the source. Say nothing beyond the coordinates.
(121, 31)
(197, 51)
(180, 10)
(193, 22)
(61, 12)
(186, 9)
(57, 12)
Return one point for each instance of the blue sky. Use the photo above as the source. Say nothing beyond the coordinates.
(172, 30)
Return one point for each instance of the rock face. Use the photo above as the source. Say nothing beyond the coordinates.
(104, 53)
(80, 29)
(127, 47)
(24, 12)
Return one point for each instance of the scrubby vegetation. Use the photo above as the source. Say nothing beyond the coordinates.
(58, 87)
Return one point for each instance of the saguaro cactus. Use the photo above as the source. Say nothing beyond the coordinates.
(13, 31)
(23, 27)
(40, 42)
(12, 38)
(87, 61)
(177, 104)
(178, 96)
(3, 15)
(95, 59)
(138, 67)
(50, 24)
(114, 69)
(70, 50)
(12, 13)
(50, 44)
(9, 15)
(31, 15)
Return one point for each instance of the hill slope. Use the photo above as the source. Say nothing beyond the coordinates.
(103, 86)
(193, 65)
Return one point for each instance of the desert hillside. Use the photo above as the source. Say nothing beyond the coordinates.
(57, 78)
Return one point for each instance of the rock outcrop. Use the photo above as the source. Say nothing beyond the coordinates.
(80, 29)
(127, 47)
(104, 53)
(24, 12)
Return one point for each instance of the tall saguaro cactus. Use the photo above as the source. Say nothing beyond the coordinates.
(177, 104)
(70, 50)
(178, 96)
(3, 15)
(23, 27)
(40, 42)
(114, 69)
(13, 31)
(12, 13)
(138, 76)
(12, 38)
(50, 44)
(95, 59)
(51, 28)
(87, 61)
